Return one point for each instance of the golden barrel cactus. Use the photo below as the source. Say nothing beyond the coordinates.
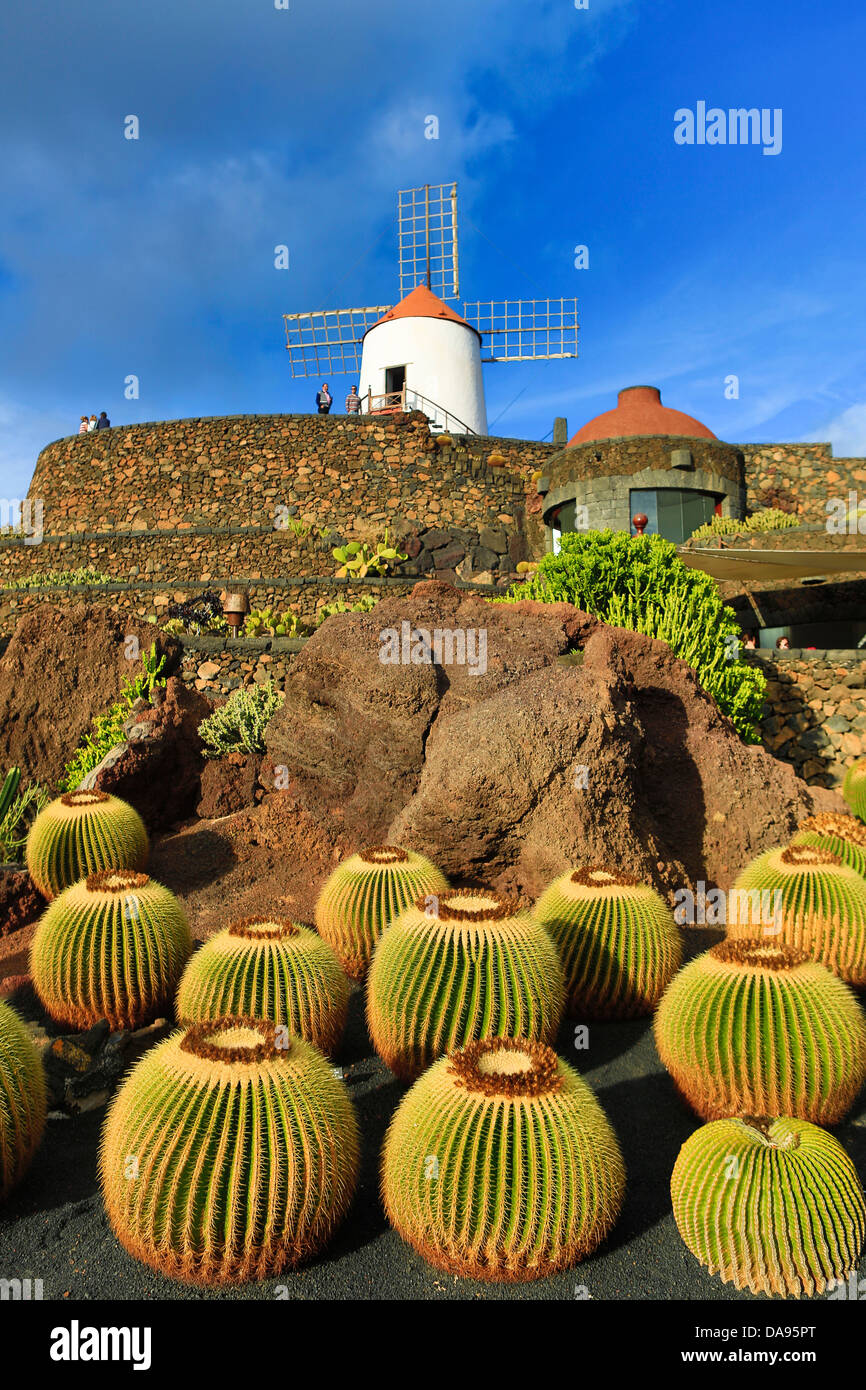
(617, 940)
(229, 1154)
(81, 833)
(471, 965)
(23, 1099)
(500, 1164)
(113, 946)
(750, 1028)
(268, 968)
(842, 835)
(363, 896)
(807, 898)
(854, 788)
(772, 1205)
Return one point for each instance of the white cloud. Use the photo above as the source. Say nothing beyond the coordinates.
(847, 433)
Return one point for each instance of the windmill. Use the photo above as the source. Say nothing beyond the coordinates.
(421, 353)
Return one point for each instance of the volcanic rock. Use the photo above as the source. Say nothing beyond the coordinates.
(20, 901)
(63, 665)
(576, 743)
(159, 769)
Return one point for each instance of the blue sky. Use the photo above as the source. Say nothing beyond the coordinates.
(262, 127)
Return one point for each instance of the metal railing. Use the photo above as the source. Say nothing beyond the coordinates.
(393, 402)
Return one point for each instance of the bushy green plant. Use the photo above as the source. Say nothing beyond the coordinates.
(19, 807)
(364, 605)
(357, 558)
(63, 579)
(770, 519)
(239, 725)
(269, 621)
(639, 582)
(107, 729)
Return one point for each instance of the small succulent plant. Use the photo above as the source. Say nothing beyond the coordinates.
(268, 968)
(821, 906)
(461, 965)
(23, 1099)
(500, 1164)
(357, 558)
(617, 940)
(753, 1028)
(854, 788)
(365, 893)
(112, 946)
(772, 1205)
(842, 835)
(229, 1153)
(81, 833)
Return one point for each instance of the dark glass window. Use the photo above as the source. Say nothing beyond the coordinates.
(672, 512)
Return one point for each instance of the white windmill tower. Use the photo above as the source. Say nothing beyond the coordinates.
(421, 354)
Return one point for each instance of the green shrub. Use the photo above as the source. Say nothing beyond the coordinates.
(640, 583)
(61, 579)
(107, 729)
(17, 813)
(239, 725)
(771, 519)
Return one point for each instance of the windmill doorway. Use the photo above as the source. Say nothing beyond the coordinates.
(395, 380)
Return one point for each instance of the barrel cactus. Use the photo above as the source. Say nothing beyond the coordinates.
(772, 1205)
(842, 835)
(469, 965)
(809, 900)
(113, 946)
(617, 940)
(365, 893)
(500, 1164)
(81, 833)
(752, 1028)
(268, 968)
(854, 788)
(23, 1100)
(230, 1153)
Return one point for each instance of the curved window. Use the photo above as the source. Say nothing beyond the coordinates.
(672, 512)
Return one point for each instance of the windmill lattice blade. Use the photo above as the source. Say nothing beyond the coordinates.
(427, 220)
(525, 330)
(328, 341)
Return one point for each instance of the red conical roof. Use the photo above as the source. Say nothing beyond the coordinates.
(639, 410)
(421, 303)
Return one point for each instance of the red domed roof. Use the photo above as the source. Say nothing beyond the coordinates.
(421, 303)
(639, 410)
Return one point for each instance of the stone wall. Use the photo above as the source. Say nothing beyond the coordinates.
(800, 478)
(815, 715)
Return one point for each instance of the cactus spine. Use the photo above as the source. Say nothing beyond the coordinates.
(774, 1206)
(500, 1164)
(819, 906)
(23, 1100)
(363, 896)
(750, 1028)
(842, 835)
(267, 968)
(80, 834)
(113, 946)
(227, 1157)
(468, 966)
(854, 788)
(616, 938)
